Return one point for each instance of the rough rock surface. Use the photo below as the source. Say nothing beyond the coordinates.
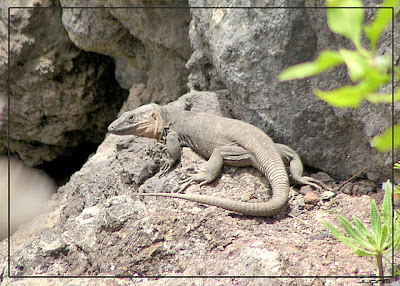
(65, 87)
(94, 227)
(62, 98)
(155, 42)
(244, 50)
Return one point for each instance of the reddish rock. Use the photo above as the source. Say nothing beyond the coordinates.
(311, 198)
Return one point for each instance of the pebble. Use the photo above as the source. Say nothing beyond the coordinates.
(346, 189)
(301, 203)
(305, 189)
(311, 198)
(321, 176)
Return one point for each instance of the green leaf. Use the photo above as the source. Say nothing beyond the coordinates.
(373, 81)
(384, 237)
(370, 242)
(362, 252)
(346, 21)
(326, 60)
(357, 65)
(374, 78)
(382, 98)
(383, 142)
(362, 228)
(382, 63)
(396, 71)
(382, 20)
(387, 205)
(396, 236)
(376, 222)
(334, 230)
(349, 242)
(346, 96)
(352, 231)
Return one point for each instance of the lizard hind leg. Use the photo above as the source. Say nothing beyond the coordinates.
(304, 180)
(296, 168)
(211, 171)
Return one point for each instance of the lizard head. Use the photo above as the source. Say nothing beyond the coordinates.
(144, 121)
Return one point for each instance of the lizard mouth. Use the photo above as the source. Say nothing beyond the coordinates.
(133, 129)
(146, 121)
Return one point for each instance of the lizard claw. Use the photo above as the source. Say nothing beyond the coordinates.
(185, 183)
(165, 167)
(314, 183)
(202, 178)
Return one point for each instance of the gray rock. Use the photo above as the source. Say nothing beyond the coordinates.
(153, 41)
(64, 97)
(61, 97)
(248, 48)
(127, 75)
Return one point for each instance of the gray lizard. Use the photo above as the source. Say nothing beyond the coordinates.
(220, 140)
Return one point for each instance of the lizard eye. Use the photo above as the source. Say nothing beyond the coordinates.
(131, 117)
(153, 116)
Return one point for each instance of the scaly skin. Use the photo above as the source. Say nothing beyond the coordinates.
(221, 140)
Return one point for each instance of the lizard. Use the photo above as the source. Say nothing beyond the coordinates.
(221, 140)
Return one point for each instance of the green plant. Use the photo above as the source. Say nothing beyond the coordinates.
(362, 241)
(368, 70)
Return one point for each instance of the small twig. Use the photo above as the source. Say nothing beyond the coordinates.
(348, 180)
(295, 217)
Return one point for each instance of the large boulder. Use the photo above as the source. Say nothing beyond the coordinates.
(244, 50)
(61, 98)
(152, 44)
(67, 66)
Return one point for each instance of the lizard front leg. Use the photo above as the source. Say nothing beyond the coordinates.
(173, 150)
(211, 171)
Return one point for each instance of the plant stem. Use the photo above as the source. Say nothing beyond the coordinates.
(379, 264)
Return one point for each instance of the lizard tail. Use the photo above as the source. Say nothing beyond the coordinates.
(250, 209)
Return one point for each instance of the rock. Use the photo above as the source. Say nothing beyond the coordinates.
(153, 42)
(244, 50)
(311, 198)
(127, 75)
(301, 203)
(241, 50)
(321, 176)
(95, 227)
(346, 188)
(62, 98)
(64, 91)
(362, 187)
(70, 72)
(305, 189)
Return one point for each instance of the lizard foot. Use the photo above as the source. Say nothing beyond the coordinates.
(314, 183)
(166, 167)
(202, 178)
